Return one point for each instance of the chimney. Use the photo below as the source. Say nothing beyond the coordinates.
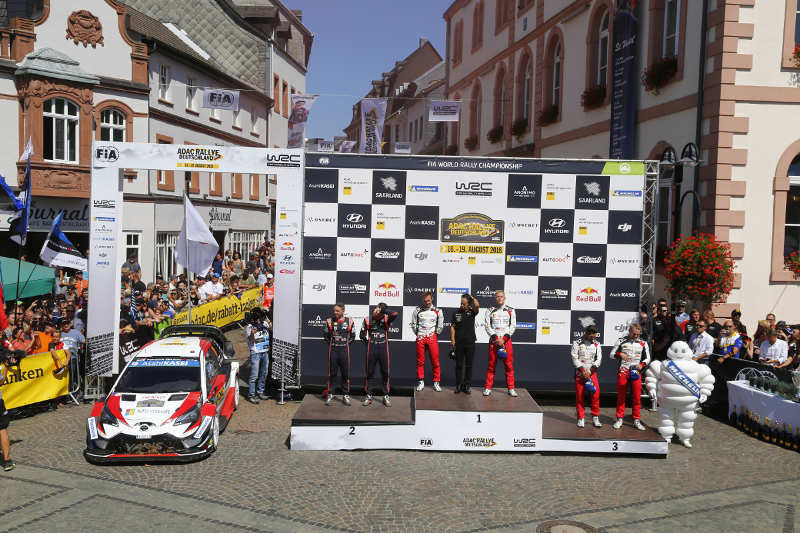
(422, 41)
(298, 13)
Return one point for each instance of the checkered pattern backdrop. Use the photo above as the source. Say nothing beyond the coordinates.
(566, 248)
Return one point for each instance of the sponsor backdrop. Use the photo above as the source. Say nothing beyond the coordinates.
(33, 381)
(562, 238)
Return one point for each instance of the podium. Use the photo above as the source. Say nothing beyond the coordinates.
(444, 421)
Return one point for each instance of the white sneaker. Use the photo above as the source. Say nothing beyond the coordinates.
(686, 443)
(618, 423)
(437, 387)
(346, 400)
(580, 422)
(512, 393)
(420, 386)
(386, 401)
(596, 422)
(367, 401)
(487, 392)
(638, 425)
(329, 399)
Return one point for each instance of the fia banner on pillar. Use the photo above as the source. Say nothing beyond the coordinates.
(402, 147)
(444, 111)
(301, 107)
(373, 113)
(625, 87)
(221, 99)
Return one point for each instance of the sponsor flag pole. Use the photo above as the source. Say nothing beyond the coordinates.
(20, 224)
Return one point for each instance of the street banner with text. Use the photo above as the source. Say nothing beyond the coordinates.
(373, 113)
(625, 87)
(298, 116)
(34, 381)
(444, 111)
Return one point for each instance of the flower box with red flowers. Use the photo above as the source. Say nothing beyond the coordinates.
(659, 74)
(792, 262)
(519, 127)
(470, 143)
(495, 134)
(796, 55)
(699, 268)
(593, 97)
(548, 115)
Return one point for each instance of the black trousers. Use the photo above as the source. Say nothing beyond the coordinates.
(339, 363)
(465, 353)
(377, 355)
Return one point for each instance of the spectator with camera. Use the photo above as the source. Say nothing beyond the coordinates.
(258, 340)
(729, 343)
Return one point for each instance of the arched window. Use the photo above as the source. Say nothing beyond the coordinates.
(555, 86)
(475, 111)
(60, 142)
(499, 95)
(791, 239)
(477, 26)
(112, 125)
(525, 87)
(602, 51)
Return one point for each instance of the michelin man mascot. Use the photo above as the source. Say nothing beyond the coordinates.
(680, 384)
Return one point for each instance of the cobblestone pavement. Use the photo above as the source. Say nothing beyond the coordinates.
(728, 482)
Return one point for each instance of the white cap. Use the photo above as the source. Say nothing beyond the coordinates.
(269, 276)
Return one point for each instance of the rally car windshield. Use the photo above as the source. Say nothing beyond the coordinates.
(162, 375)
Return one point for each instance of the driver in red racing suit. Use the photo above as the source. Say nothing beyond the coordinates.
(427, 322)
(375, 332)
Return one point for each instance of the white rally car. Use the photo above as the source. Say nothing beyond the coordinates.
(170, 402)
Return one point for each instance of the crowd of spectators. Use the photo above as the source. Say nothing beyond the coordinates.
(774, 342)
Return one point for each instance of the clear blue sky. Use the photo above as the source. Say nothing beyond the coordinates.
(354, 42)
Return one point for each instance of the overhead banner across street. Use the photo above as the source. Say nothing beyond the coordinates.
(561, 238)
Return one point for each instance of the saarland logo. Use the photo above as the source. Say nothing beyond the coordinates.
(389, 184)
(387, 290)
(587, 321)
(106, 153)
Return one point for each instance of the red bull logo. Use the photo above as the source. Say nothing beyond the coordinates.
(589, 295)
(588, 290)
(387, 290)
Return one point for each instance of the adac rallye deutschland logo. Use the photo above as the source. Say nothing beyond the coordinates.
(472, 227)
(199, 157)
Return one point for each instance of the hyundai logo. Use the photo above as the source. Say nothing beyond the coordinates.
(557, 223)
(355, 218)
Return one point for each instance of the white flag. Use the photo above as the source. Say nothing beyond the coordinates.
(202, 245)
(221, 99)
(28, 150)
(444, 111)
(373, 112)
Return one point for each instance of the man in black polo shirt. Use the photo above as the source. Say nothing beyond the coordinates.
(462, 339)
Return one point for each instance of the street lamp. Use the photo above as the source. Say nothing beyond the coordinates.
(689, 156)
(668, 158)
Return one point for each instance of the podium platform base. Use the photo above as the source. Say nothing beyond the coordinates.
(443, 421)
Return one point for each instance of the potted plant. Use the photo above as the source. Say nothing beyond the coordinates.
(452, 149)
(796, 55)
(548, 115)
(495, 134)
(659, 74)
(593, 97)
(699, 268)
(470, 143)
(519, 127)
(792, 263)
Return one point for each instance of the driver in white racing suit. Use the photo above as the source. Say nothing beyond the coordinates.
(427, 322)
(500, 323)
(633, 354)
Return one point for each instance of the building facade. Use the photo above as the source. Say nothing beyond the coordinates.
(535, 78)
(124, 75)
(409, 122)
(396, 86)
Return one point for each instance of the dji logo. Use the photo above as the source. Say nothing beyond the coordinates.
(624, 227)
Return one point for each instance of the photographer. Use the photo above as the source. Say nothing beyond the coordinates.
(258, 340)
(5, 442)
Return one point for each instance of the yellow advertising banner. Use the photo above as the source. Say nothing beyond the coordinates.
(222, 312)
(33, 381)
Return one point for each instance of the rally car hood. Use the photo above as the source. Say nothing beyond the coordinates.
(154, 409)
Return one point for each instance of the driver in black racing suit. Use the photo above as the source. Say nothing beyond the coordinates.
(375, 332)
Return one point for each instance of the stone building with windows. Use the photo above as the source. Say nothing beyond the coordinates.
(535, 78)
(125, 74)
(409, 121)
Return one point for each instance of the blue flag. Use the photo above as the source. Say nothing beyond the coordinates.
(15, 202)
(58, 250)
(19, 223)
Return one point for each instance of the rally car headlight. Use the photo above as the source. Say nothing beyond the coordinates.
(107, 419)
(189, 417)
